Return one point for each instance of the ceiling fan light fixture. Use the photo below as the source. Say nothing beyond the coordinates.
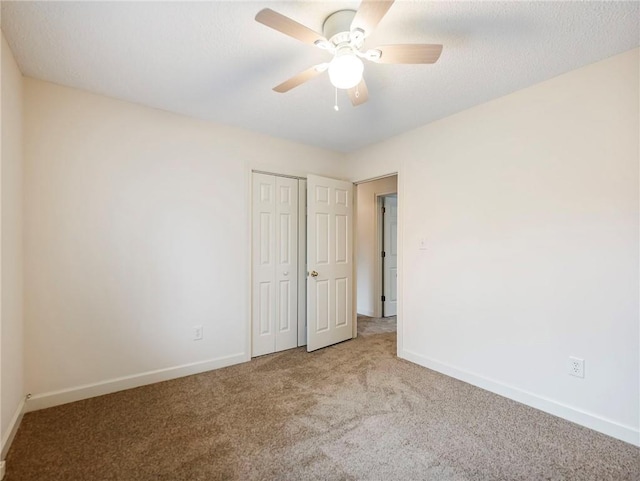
(345, 71)
(343, 35)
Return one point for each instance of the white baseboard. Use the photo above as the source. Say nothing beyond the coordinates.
(366, 312)
(12, 429)
(611, 428)
(63, 396)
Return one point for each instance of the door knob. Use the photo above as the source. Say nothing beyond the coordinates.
(314, 274)
(286, 273)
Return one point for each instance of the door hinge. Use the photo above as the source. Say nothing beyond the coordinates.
(383, 254)
(384, 210)
(383, 299)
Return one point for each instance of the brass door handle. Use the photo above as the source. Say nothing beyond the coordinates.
(314, 274)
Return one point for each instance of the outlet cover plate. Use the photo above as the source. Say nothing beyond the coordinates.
(197, 333)
(576, 367)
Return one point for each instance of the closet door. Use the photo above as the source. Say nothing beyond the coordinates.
(286, 263)
(302, 262)
(275, 264)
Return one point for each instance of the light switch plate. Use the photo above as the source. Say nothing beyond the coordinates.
(422, 243)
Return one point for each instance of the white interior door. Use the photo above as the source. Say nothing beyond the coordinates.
(390, 258)
(275, 264)
(329, 261)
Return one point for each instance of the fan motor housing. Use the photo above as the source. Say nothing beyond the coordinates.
(337, 26)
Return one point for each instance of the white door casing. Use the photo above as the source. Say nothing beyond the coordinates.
(275, 264)
(329, 261)
(390, 259)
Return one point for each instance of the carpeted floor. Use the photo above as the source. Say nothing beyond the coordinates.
(349, 412)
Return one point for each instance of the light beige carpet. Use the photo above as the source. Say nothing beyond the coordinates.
(349, 412)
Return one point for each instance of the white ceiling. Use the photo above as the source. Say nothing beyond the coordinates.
(211, 60)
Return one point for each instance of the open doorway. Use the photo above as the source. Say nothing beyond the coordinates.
(376, 254)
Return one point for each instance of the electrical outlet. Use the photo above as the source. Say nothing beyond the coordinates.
(197, 333)
(576, 366)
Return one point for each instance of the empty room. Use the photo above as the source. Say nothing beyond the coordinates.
(320, 240)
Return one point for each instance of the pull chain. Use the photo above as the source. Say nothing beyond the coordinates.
(335, 107)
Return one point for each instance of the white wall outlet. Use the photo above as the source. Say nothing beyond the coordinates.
(3, 466)
(197, 333)
(422, 243)
(576, 366)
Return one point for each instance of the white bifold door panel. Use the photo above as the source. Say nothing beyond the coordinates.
(302, 262)
(390, 259)
(329, 261)
(275, 264)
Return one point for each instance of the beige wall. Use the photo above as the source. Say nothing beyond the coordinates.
(11, 315)
(137, 229)
(529, 204)
(368, 256)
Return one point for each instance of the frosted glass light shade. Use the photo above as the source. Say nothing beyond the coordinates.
(345, 71)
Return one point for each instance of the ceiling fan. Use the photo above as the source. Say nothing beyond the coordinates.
(343, 35)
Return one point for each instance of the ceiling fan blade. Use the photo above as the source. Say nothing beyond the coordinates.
(369, 15)
(359, 94)
(301, 78)
(289, 27)
(408, 53)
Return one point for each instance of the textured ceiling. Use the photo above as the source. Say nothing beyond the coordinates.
(213, 61)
